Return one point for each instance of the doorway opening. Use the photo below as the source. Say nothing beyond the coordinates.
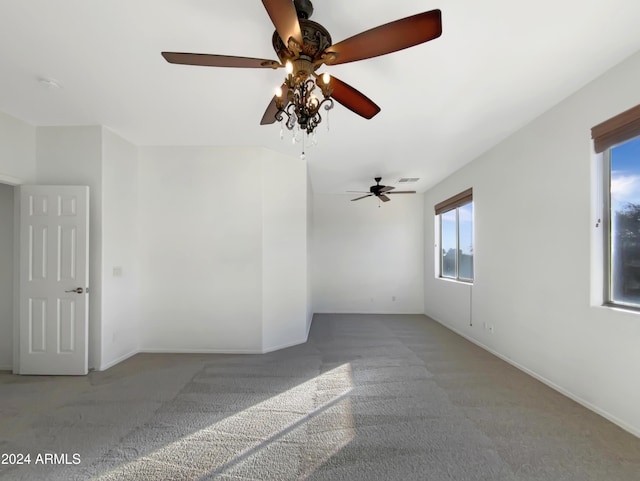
(7, 276)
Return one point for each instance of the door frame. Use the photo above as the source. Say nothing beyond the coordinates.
(15, 182)
(54, 273)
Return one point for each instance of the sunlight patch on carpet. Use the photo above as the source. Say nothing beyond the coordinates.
(290, 434)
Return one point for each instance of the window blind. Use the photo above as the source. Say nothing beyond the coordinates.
(456, 201)
(617, 129)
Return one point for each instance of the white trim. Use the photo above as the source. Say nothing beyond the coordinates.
(16, 280)
(388, 313)
(456, 281)
(199, 351)
(7, 179)
(610, 417)
(118, 360)
(126, 356)
(310, 321)
(619, 308)
(268, 349)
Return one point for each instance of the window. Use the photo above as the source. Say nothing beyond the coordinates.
(618, 139)
(455, 221)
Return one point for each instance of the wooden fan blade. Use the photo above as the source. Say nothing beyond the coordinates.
(285, 19)
(269, 116)
(358, 198)
(402, 192)
(387, 188)
(384, 198)
(352, 99)
(206, 60)
(388, 38)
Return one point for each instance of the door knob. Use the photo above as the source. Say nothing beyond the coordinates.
(78, 290)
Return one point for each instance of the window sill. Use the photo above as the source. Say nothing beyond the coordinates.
(455, 281)
(621, 307)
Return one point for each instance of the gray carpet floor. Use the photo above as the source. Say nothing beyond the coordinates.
(368, 397)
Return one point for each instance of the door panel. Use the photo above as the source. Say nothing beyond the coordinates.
(54, 263)
(66, 253)
(37, 325)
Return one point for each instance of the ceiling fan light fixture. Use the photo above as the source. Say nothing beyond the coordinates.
(302, 106)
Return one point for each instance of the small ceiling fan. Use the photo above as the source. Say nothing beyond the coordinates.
(303, 46)
(381, 191)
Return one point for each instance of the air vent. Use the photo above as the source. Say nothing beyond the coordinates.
(409, 179)
(49, 83)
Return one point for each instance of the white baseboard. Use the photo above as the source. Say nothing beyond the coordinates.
(104, 367)
(309, 323)
(283, 346)
(388, 313)
(6, 367)
(158, 350)
(199, 351)
(610, 417)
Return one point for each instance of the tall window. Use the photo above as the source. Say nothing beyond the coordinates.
(455, 219)
(619, 141)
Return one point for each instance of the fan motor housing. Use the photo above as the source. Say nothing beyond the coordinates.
(304, 8)
(375, 189)
(315, 39)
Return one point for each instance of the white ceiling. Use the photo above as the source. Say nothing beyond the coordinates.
(497, 65)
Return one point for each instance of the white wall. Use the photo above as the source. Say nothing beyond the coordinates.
(223, 249)
(73, 156)
(120, 248)
(17, 149)
(201, 249)
(364, 255)
(533, 259)
(284, 251)
(6, 277)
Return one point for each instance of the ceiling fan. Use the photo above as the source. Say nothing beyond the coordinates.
(303, 46)
(381, 191)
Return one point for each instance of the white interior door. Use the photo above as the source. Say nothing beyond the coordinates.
(54, 276)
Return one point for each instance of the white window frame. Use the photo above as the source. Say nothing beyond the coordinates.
(607, 232)
(440, 252)
(608, 134)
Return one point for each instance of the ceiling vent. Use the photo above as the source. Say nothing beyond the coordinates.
(49, 83)
(409, 179)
